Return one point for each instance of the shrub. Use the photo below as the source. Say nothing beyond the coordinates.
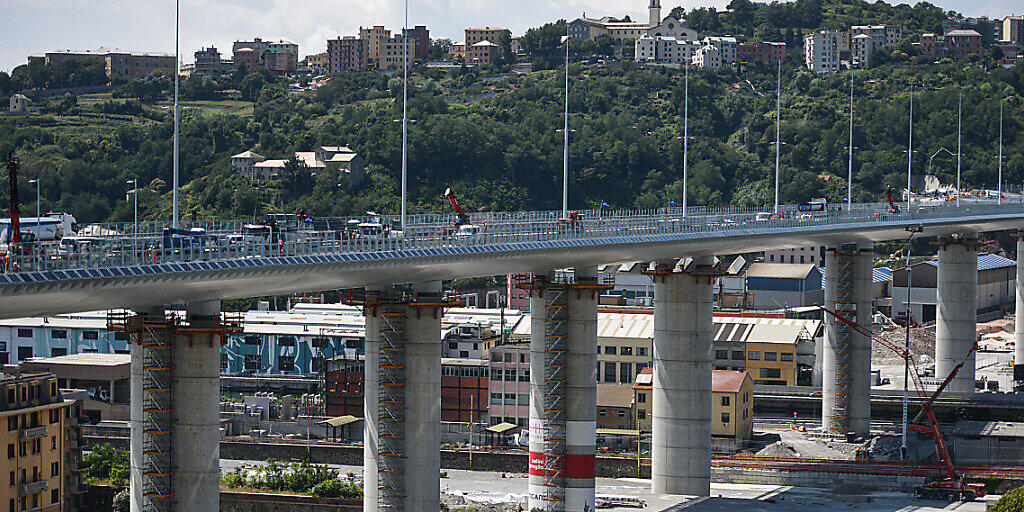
(1012, 501)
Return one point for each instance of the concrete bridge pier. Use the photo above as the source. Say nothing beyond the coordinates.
(175, 394)
(846, 354)
(1018, 331)
(956, 310)
(402, 401)
(681, 401)
(581, 413)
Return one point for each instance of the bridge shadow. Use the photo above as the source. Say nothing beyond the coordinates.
(799, 500)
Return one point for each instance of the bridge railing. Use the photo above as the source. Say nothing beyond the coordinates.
(112, 246)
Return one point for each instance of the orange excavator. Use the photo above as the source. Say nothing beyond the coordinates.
(463, 228)
(952, 485)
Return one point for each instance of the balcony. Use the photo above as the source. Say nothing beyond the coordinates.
(32, 487)
(32, 433)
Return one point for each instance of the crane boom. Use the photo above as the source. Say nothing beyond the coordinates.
(926, 401)
(463, 217)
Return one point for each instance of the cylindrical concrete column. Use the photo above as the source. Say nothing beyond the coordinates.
(846, 354)
(581, 413)
(860, 384)
(196, 398)
(548, 390)
(137, 501)
(423, 400)
(371, 397)
(956, 311)
(1018, 331)
(681, 401)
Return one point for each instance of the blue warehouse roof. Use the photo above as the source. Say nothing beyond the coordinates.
(881, 274)
(987, 262)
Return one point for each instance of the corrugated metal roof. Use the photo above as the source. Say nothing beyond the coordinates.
(881, 274)
(724, 329)
(781, 270)
(986, 262)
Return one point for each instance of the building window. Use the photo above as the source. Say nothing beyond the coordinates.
(786, 356)
(737, 355)
(54, 495)
(626, 351)
(524, 376)
(495, 398)
(753, 355)
(641, 414)
(641, 351)
(252, 362)
(510, 375)
(223, 362)
(510, 399)
(770, 373)
(285, 341)
(53, 443)
(90, 335)
(252, 340)
(24, 333)
(286, 363)
(24, 353)
(725, 418)
(609, 350)
(725, 401)
(641, 398)
(54, 469)
(721, 354)
(609, 372)
(626, 373)
(12, 423)
(57, 352)
(58, 334)
(524, 399)
(13, 478)
(770, 356)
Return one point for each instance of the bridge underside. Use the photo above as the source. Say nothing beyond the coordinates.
(204, 281)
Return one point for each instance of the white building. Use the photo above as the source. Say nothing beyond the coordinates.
(708, 56)
(997, 277)
(862, 47)
(821, 51)
(799, 255)
(726, 46)
(20, 104)
(671, 27)
(243, 163)
(666, 50)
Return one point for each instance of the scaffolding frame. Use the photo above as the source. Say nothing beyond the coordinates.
(843, 337)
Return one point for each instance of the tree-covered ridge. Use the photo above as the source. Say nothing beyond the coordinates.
(504, 151)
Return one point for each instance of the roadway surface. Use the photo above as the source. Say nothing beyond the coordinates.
(725, 497)
(513, 242)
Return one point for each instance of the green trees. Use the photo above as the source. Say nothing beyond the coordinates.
(106, 462)
(1012, 501)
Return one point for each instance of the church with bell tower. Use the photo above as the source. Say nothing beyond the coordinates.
(655, 11)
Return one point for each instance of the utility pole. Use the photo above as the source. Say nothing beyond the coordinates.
(177, 71)
(906, 344)
(1000, 190)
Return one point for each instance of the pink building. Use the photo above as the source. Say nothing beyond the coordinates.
(509, 385)
(518, 298)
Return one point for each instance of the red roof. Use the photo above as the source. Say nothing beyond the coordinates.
(722, 381)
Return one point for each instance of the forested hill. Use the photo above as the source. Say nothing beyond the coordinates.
(493, 137)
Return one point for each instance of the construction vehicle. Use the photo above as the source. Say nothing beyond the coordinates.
(951, 485)
(814, 205)
(463, 229)
(893, 208)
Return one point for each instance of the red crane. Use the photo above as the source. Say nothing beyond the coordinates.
(952, 485)
(463, 217)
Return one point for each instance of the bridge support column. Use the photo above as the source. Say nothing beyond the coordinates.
(145, 344)
(846, 354)
(1018, 331)
(581, 413)
(423, 399)
(956, 310)
(196, 398)
(402, 400)
(681, 401)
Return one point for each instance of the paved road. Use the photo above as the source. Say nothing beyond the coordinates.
(725, 497)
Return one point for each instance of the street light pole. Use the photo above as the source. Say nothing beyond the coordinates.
(849, 178)
(405, 111)
(959, 124)
(910, 148)
(686, 132)
(778, 133)
(135, 225)
(177, 71)
(565, 153)
(1000, 191)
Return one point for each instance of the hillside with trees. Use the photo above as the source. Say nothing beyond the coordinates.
(493, 136)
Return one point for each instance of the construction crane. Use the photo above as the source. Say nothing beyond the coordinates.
(951, 486)
(893, 208)
(463, 229)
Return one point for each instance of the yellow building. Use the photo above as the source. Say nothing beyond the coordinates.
(393, 52)
(43, 445)
(320, 63)
(372, 40)
(732, 407)
(772, 350)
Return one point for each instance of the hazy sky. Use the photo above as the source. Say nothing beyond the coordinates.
(36, 26)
